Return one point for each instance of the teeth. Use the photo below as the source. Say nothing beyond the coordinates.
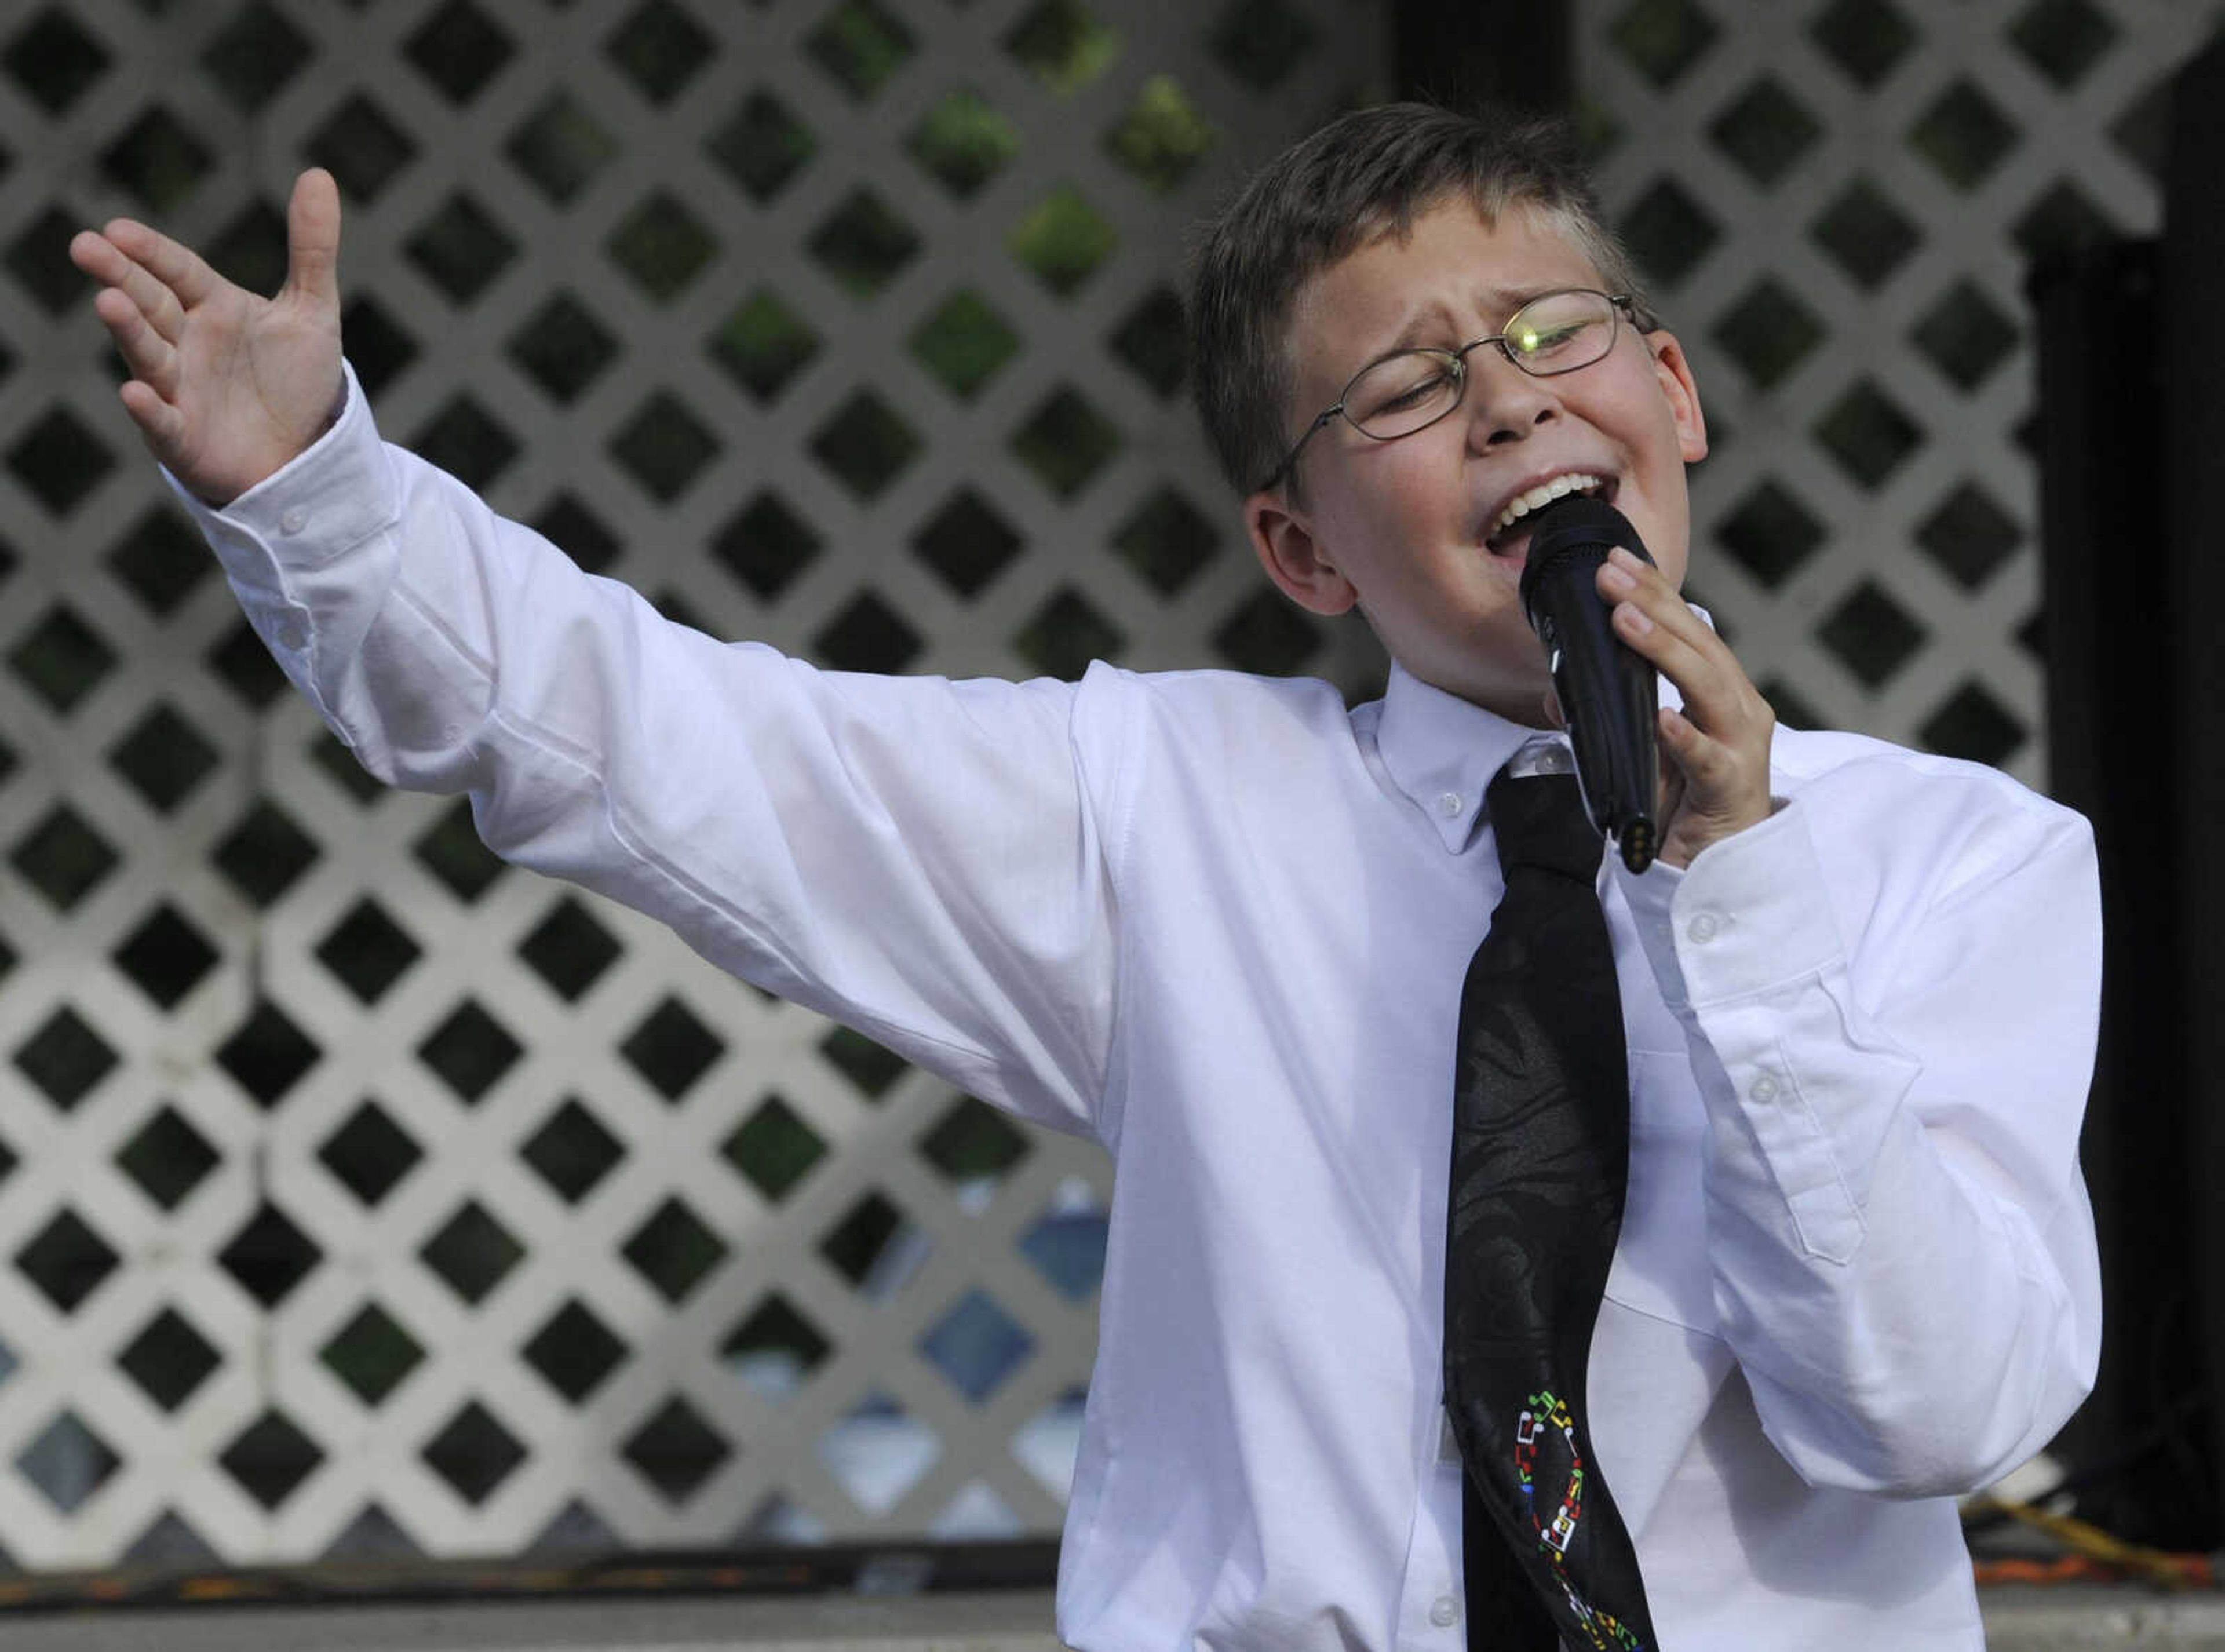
(1522, 504)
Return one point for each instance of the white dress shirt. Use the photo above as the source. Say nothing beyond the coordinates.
(1220, 923)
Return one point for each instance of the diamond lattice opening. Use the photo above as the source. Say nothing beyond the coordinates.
(1065, 634)
(1268, 635)
(58, 461)
(1864, 38)
(270, 1458)
(675, 1451)
(864, 445)
(572, 1151)
(973, 1145)
(1870, 634)
(1771, 534)
(1965, 335)
(53, 60)
(569, 950)
(63, 858)
(575, 1351)
(341, 766)
(160, 561)
(1768, 332)
(462, 249)
(965, 343)
(458, 48)
(1063, 43)
(1765, 130)
(763, 344)
(964, 141)
(168, 1359)
(1065, 1244)
(1866, 235)
(472, 1253)
(774, 1148)
(664, 447)
(1868, 435)
(158, 160)
(268, 1054)
(976, 1346)
(560, 146)
(67, 1260)
(367, 951)
(39, 258)
(2061, 222)
(766, 545)
(1661, 39)
(1972, 722)
(774, 1351)
(165, 957)
(61, 658)
(360, 148)
(450, 849)
(1668, 232)
(264, 855)
(68, 1463)
(253, 58)
(875, 1247)
(580, 533)
(563, 347)
(1162, 137)
(372, 1353)
(659, 47)
(761, 146)
(661, 246)
(1969, 536)
(872, 1068)
(468, 442)
(65, 1058)
(163, 757)
(1065, 442)
(860, 44)
(967, 542)
(378, 346)
(471, 1051)
(168, 1157)
(1260, 41)
(878, 1452)
(674, 1251)
(862, 245)
(2063, 39)
(474, 1453)
(1964, 135)
(1063, 241)
(1165, 541)
(370, 1153)
(269, 1255)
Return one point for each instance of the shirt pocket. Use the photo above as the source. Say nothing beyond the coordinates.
(1661, 1260)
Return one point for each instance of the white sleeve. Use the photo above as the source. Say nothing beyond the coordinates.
(917, 857)
(1902, 1251)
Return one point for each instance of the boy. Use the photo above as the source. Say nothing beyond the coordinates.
(1220, 923)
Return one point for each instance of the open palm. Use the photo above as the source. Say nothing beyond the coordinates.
(226, 387)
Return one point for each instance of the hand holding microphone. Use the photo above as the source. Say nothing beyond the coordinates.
(1604, 671)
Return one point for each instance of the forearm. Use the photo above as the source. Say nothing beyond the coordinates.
(1901, 1253)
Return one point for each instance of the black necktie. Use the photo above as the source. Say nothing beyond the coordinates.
(1541, 1158)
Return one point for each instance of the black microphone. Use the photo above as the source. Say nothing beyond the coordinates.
(1607, 688)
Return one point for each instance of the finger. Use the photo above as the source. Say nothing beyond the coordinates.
(104, 261)
(177, 266)
(313, 238)
(158, 422)
(149, 355)
(1624, 578)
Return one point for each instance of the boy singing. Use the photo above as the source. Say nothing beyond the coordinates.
(1222, 923)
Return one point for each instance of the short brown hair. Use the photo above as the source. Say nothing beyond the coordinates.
(1364, 175)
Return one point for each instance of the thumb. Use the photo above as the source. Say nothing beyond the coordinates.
(313, 238)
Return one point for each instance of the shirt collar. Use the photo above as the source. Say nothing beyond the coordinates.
(1441, 751)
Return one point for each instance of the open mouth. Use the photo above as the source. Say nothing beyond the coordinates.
(1509, 532)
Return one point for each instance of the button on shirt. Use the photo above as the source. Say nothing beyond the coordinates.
(1220, 923)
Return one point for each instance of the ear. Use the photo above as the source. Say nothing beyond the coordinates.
(1683, 395)
(1284, 540)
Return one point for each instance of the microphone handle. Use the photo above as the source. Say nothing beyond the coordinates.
(1609, 695)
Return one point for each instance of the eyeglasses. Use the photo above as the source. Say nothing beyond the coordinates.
(1553, 333)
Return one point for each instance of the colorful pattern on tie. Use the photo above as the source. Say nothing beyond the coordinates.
(1547, 1410)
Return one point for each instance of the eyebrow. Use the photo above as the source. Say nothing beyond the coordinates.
(1425, 328)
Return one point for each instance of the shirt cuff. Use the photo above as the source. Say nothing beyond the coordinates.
(332, 496)
(1752, 914)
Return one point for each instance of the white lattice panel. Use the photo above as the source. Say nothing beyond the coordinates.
(360, 1195)
(1840, 201)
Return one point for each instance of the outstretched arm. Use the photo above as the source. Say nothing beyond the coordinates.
(226, 387)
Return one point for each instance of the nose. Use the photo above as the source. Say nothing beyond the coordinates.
(1505, 404)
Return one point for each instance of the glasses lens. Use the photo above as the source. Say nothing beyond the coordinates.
(1402, 393)
(1560, 332)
